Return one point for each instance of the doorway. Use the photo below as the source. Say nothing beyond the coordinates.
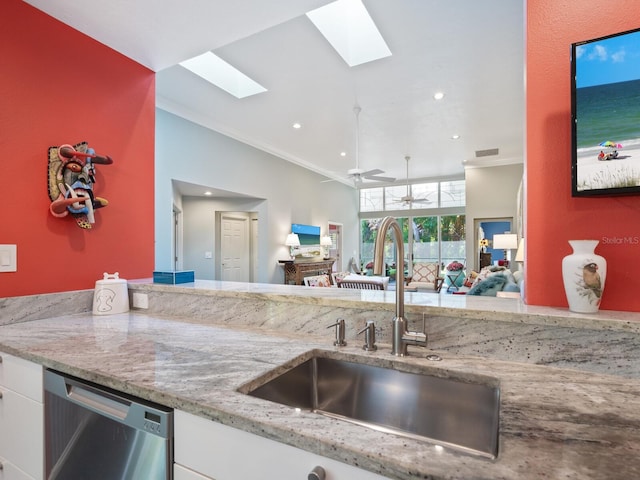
(335, 233)
(177, 239)
(487, 228)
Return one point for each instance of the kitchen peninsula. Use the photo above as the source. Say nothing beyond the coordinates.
(197, 344)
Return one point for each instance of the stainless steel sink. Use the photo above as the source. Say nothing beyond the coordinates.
(451, 412)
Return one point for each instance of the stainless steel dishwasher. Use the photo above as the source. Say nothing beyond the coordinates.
(95, 433)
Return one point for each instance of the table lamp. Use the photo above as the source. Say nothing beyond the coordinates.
(325, 243)
(505, 242)
(292, 242)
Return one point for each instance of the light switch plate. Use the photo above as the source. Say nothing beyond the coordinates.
(8, 258)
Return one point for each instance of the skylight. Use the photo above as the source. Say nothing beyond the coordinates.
(349, 29)
(215, 70)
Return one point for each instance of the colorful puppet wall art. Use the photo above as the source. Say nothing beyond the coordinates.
(71, 182)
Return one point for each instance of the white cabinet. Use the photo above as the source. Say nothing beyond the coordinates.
(21, 419)
(220, 452)
(8, 471)
(183, 473)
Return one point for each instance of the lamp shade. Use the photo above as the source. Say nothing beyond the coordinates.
(292, 240)
(326, 241)
(505, 241)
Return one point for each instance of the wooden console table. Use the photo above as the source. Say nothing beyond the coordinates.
(296, 270)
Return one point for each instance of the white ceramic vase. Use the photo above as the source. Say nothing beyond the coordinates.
(584, 274)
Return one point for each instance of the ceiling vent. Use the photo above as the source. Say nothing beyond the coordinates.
(486, 153)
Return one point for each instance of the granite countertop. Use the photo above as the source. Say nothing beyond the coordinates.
(554, 423)
(462, 306)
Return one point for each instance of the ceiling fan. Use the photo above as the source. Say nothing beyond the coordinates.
(358, 174)
(408, 199)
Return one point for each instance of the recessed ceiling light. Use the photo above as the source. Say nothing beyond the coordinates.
(208, 193)
(215, 70)
(455, 136)
(297, 126)
(438, 95)
(349, 29)
(343, 154)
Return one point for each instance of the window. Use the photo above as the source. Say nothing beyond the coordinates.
(393, 198)
(371, 199)
(452, 194)
(443, 194)
(452, 246)
(439, 236)
(425, 239)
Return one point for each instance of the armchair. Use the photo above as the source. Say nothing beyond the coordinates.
(426, 276)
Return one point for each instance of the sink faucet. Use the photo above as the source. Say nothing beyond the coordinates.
(400, 336)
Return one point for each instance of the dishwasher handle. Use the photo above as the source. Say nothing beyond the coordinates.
(153, 419)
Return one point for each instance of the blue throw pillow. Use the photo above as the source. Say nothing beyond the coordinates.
(488, 287)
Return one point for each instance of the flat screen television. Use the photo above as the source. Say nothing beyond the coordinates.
(605, 110)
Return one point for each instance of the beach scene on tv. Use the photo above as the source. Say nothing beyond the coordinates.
(607, 111)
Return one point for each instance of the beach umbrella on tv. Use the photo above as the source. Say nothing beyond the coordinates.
(610, 144)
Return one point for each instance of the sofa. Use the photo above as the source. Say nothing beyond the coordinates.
(493, 281)
(363, 282)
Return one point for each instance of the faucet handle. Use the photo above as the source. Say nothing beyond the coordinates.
(340, 330)
(369, 336)
(417, 338)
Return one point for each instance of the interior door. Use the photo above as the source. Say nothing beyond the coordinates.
(234, 248)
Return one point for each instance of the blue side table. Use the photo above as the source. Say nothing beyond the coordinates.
(455, 279)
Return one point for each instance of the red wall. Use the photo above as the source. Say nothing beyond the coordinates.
(553, 216)
(60, 86)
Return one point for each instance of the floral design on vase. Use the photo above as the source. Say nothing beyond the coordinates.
(584, 273)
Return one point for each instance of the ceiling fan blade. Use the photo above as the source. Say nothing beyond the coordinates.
(369, 173)
(409, 199)
(378, 178)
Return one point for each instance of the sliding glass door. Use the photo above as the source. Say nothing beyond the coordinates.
(437, 238)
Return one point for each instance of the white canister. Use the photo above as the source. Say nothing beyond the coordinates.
(110, 295)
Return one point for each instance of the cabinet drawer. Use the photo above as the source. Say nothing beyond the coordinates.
(226, 453)
(21, 376)
(8, 471)
(22, 432)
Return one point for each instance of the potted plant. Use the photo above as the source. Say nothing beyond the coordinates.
(455, 274)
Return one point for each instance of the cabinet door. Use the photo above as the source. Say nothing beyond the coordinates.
(21, 432)
(21, 418)
(21, 376)
(226, 453)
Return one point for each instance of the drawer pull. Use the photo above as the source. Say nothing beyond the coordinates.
(317, 473)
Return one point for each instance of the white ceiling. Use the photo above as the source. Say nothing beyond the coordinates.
(471, 50)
